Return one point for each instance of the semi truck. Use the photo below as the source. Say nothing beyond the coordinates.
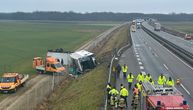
(78, 61)
(157, 27)
(10, 82)
(156, 97)
(51, 65)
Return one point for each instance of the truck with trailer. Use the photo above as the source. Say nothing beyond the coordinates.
(78, 61)
(157, 26)
(51, 66)
(10, 82)
(156, 97)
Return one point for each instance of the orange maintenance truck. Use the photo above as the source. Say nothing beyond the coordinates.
(52, 66)
(9, 82)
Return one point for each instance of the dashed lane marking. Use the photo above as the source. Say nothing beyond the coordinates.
(137, 53)
(165, 66)
(140, 63)
(185, 89)
(138, 59)
(143, 72)
(141, 67)
(137, 56)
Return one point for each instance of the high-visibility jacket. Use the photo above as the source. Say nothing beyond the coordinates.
(140, 77)
(124, 69)
(152, 83)
(130, 78)
(170, 83)
(162, 80)
(121, 87)
(139, 86)
(124, 92)
(113, 92)
(147, 78)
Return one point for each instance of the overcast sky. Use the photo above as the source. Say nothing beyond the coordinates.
(141, 6)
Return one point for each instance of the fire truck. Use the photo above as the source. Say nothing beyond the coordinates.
(156, 97)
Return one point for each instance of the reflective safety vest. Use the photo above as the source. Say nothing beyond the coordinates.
(170, 83)
(140, 77)
(152, 83)
(139, 86)
(124, 69)
(147, 78)
(121, 87)
(130, 78)
(124, 92)
(113, 92)
(162, 80)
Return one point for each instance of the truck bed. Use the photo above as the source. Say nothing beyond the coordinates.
(25, 77)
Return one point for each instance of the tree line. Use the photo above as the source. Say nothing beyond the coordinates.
(95, 16)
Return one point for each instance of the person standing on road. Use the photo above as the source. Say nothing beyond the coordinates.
(130, 78)
(161, 80)
(108, 88)
(140, 77)
(170, 82)
(121, 86)
(124, 70)
(148, 77)
(151, 81)
(118, 69)
(124, 94)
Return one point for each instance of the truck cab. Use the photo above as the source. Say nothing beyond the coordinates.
(52, 66)
(9, 82)
(188, 37)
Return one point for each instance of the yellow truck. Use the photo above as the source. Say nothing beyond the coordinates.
(51, 66)
(9, 82)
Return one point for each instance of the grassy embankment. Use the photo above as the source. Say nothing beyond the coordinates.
(186, 27)
(87, 92)
(20, 41)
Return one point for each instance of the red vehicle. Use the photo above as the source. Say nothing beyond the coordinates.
(163, 98)
(188, 37)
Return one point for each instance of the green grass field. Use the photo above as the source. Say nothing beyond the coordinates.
(180, 26)
(20, 41)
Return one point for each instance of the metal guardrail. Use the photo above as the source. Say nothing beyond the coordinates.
(182, 53)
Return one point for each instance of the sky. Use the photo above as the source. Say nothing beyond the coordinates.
(125, 6)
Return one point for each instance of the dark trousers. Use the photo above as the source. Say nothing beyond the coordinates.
(130, 84)
(124, 74)
(125, 98)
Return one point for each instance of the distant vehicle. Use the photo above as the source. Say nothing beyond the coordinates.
(80, 61)
(138, 25)
(157, 97)
(157, 27)
(133, 28)
(9, 82)
(188, 37)
(52, 66)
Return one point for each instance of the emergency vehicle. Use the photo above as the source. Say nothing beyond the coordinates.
(156, 97)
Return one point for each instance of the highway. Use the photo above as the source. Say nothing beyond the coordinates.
(148, 56)
(186, 44)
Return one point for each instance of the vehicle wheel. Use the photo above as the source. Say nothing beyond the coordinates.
(14, 90)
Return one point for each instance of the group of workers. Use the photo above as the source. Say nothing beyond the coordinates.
(112, 92)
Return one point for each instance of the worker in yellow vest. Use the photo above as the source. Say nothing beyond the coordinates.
(140, 77)
(148, 77)
(170, 82)
(151, 81)
(124, 70)
(130, 78)
(108, 88)
(161, 80)
(124, 94)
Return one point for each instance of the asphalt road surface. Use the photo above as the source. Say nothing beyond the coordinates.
(185, 44)
(148, 56)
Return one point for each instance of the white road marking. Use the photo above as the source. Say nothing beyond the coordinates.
(138, 59)
(137, 53)
(137, 56)
(155, 54)
(140, 63)
(165, 66)
(185, 89)
(137, 45)
(141, 67)
(176, 57)
(143, 72)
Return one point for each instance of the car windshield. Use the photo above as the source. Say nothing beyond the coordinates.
(7, 79)
(58, 65)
